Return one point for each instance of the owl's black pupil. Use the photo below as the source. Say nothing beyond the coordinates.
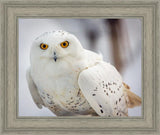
(64, 44)
(44, 46)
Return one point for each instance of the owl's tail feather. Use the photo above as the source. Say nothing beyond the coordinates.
(132, 99)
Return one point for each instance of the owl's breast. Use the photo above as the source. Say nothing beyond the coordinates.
(58, 85)
(56, 76)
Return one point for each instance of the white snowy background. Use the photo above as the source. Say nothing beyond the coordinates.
(29, 29)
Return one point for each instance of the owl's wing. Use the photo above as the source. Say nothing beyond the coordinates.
(102, 87)
(33, 90)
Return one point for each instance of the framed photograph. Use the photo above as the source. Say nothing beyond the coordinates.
(94, 35)
(59, 59)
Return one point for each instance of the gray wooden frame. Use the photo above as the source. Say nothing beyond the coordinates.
(10, 11)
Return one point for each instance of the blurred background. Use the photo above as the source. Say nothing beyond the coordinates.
(118, 40)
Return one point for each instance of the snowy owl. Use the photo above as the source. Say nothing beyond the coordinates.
(70, 80)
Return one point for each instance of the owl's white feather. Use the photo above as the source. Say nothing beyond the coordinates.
(102, 87)
(33, 90)
(73, 80)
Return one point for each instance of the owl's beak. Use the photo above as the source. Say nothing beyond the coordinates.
(55, 57)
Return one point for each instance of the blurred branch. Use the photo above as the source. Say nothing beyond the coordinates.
(120, 43)
(92, 35)
(115, 30)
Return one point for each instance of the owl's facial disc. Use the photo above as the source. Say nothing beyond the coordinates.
(56, 46)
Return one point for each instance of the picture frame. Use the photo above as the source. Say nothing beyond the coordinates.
(147, 10)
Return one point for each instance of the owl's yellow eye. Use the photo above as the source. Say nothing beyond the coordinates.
(43, 46)
(64, 44)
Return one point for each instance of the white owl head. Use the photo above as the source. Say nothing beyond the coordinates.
(55, 45)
